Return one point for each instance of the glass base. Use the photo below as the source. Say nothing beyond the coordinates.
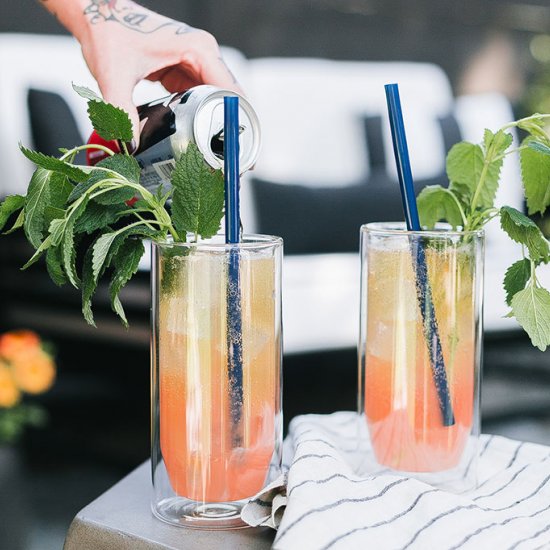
(200, 515)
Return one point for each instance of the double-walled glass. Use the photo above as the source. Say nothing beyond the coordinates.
(420, 351)
(216, 377)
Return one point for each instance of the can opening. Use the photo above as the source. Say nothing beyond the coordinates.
(216, 142)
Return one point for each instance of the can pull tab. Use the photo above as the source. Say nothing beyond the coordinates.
(216, 143)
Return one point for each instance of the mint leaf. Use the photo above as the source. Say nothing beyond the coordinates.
(46, 188)
(89, 284)
(17, 224)
(496, 145)
(535, 173)
(109, 121)
(86, 93)
(539, 147)
(498, 142)
(198, 197)
(104, 250)
(464, 166)
(100, 250)
(125, 263)
(121, 167)
(127, 167)
(54, 164)
(44, 245)
(532, 124)
(465, 169)
(68, 246)
(435, 204)
(98, 216)
(516, 277)
(531, 308)
(9, 206)
(108, 245)
(54, 265)
(57, 228)
(523, 230)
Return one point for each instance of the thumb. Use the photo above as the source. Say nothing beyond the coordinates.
(121, 96)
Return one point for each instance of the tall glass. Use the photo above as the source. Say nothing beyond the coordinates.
(420, 351)
(216, 377)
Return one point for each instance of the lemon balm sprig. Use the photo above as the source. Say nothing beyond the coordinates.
(474, 172)
(103, 214)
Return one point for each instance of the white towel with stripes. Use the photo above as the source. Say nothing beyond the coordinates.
(330, 506)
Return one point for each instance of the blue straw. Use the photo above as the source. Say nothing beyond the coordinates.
(232, 236)
(423, 290)
(231, 169)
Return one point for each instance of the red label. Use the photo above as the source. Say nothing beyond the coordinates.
(93, 156)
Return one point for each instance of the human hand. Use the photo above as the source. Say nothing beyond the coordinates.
(124, 43)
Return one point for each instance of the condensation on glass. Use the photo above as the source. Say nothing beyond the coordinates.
(216, 377)
(420, 352)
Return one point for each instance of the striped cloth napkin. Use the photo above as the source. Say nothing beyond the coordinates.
(326, 504)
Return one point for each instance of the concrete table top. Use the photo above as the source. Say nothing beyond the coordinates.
(121, 519)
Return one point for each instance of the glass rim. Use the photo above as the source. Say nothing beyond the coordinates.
(399, 228)
(249, 241)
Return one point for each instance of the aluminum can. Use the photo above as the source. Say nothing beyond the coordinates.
(169, 124)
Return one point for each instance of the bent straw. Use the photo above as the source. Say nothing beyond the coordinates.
(423, 290)
(232, 236)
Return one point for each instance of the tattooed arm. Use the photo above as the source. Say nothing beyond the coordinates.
(124, 43)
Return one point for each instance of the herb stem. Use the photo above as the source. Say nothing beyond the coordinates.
(519, 122)
(148, 222)
(88, 146)
(510, 151)
(460, 209)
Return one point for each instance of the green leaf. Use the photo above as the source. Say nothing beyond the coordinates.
(125, 263)
(523, 230)
(17, 224)
(121, 167)
(54, 265)
(86, 93)
(44, 245)
(465, 169)
(531, 308)
(46, 189)
(516, 277)
(57, 228)
(109, 121)
(98, 216)
(532, 124)
(9, 206)
(100, 251)
(498, 142)
(127, 167)
(435, 204)
(54, 164)
(89, 284)
(198, 197)
(539, 147)
(105, 250)
(464, 166)
(535, 173)
(68, 245)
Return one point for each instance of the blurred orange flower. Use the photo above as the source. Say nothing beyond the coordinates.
(33, 371)
(9, 393)
(25, 367)
(16, 342)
